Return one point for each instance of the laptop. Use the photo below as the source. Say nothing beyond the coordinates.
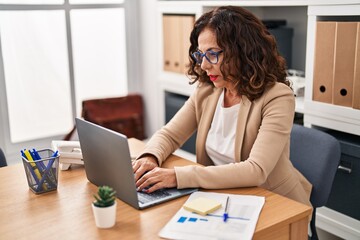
(107, 161)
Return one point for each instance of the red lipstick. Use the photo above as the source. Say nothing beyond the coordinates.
(213, 77)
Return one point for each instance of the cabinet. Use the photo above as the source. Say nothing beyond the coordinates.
(303, 17)
(173, 102)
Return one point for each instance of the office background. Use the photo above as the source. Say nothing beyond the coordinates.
(56, 53)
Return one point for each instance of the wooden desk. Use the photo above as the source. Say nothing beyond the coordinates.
(67, 214)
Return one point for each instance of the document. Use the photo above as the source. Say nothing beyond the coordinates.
(243, 213)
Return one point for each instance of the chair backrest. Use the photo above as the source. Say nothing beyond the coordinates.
(316, 155)
(3, 162)
(121, 114)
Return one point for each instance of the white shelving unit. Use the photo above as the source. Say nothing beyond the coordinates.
(344, 119)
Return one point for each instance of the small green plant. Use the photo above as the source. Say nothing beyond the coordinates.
(105, 197)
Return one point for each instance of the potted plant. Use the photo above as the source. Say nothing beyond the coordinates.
(104, 207)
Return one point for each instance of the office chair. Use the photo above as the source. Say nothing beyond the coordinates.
(316, 155)
(3, 162)
(123, 114)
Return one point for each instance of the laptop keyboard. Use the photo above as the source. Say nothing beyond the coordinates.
(149, 197)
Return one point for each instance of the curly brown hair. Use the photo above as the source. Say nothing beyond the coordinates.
(251, 60)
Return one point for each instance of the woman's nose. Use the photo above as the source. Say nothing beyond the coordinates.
(205, 64)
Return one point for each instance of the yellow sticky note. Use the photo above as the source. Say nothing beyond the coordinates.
(202, 205)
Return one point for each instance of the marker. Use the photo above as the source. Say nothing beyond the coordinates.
(35, 155)
(226, 215)
(30, 168)
(35, 168)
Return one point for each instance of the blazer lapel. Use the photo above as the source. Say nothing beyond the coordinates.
(241, 124)
(205, 123)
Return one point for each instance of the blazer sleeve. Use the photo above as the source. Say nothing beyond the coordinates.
(175, 133)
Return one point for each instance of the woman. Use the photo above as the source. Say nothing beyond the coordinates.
(242, 109)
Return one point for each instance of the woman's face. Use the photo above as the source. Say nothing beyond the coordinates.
(207, 41)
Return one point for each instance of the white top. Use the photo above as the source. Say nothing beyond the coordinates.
(220, 141)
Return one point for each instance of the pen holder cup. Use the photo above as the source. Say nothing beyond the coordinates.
(42, 175)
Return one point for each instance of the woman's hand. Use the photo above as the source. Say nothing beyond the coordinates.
(156, 179)
(143, 165)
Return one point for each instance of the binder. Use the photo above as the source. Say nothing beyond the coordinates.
(171, 43)
(324, 61)
(177, 29)
(187, 23)
(344, 63)
(356, 85)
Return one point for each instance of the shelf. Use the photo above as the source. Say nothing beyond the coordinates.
(299, 104)
(337, 223)
(176, 83)
(338, 113)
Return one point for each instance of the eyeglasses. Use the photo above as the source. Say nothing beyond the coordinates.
(211, 56)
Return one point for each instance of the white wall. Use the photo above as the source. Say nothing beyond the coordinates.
(148, 68)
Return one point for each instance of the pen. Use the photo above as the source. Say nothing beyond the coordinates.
(47, 171)
(50, 176)
(226, 215)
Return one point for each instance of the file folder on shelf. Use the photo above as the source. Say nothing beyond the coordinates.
(187, 23)
(177, 29)
(171, 43)
(345, 49)
(324, 61)
(356, 86)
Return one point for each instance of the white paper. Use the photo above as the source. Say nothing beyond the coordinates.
(243, 210)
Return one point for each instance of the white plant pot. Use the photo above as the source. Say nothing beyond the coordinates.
(105, 217)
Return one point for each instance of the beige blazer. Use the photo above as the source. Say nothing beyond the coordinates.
(262, 144)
